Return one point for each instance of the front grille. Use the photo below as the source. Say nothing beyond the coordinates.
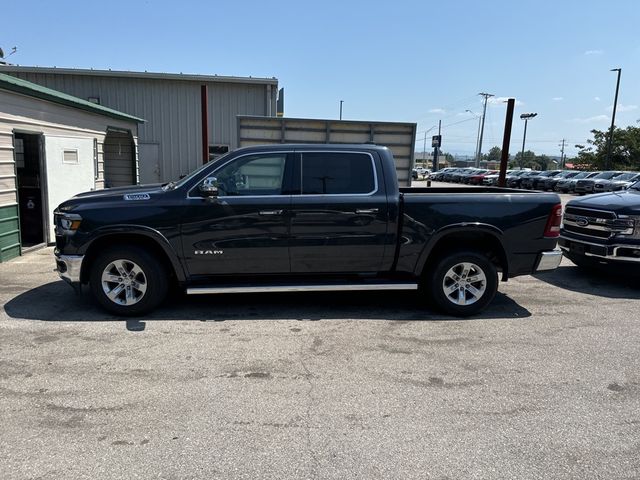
(587, 231)
(596, 223)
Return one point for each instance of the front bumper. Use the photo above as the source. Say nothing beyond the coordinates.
(583, 189)
(549, 260)
(69, 267)
(607, 253)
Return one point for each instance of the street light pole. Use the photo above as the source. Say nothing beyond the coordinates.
(525, 117)
(613, 119)
(341, 102)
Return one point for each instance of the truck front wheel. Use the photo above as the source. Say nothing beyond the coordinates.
(128, 281)
(463, 283)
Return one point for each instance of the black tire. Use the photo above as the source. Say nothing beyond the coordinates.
(153, 277)
(438, 279)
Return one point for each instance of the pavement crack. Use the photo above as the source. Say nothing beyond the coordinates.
(308, 414)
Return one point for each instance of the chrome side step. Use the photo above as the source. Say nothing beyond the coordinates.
(302, 288)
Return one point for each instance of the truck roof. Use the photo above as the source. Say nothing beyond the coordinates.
(314, 146)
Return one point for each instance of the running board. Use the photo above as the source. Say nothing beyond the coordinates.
(302, 288)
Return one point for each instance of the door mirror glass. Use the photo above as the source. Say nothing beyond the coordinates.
(209, 187)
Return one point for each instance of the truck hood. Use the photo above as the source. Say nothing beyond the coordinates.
(111, 192)
(133, 193)
(623, 203)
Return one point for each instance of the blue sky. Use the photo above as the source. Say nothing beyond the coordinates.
(396, 61)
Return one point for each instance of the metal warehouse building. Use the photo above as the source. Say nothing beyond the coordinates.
(189, 118)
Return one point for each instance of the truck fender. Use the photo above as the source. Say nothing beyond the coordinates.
(138, 230)
(457, 228)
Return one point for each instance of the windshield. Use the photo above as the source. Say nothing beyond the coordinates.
(626, 176)
(581, 175)
(606, 175)
(196, 172)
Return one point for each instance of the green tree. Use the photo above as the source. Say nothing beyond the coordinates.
(494, 155)
(526, 161)
(625, 149)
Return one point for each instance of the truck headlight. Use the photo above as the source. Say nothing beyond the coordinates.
(67, 223)
(627, 226)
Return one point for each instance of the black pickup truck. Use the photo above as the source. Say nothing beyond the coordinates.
(302, 218)
(603, 230)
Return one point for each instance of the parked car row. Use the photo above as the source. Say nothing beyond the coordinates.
(418, 172)
(564, 181)
(471, 176)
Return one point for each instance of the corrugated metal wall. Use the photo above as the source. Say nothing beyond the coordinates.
(171, 109)
(399, 137)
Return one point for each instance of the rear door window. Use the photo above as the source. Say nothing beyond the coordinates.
(337, 173)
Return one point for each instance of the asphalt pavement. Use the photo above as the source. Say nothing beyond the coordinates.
(544, 384)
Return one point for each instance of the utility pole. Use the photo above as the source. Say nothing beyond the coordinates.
(613, 118)
(562, 153)
(484, 113)
(424, 148)
(436, 149)
(341, 102)
(479, 117)
(506, 141)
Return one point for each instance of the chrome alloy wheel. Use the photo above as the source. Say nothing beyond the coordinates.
(464, 284)
(124, 282)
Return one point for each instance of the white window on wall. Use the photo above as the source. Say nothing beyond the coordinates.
(70, 156)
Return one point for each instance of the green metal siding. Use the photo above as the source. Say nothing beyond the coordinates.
(9, 233)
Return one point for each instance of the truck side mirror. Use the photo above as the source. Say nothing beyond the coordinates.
(209, 188)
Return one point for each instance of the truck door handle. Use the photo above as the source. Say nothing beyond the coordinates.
(270, 212)
(366, 210)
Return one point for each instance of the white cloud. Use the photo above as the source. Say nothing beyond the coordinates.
(594, 52)
(594, 119)
(500, 101)
(557, 99)
(623, 108)
(437, 110)
(597, 99)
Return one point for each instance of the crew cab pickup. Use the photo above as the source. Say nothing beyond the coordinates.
(302, 218)
(603, 230)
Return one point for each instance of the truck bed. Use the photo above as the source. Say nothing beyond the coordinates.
(469, 190)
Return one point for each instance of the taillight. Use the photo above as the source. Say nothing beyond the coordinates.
(552, 230)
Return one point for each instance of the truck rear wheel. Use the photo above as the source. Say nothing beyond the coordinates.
(463, 283)
(128, 281)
